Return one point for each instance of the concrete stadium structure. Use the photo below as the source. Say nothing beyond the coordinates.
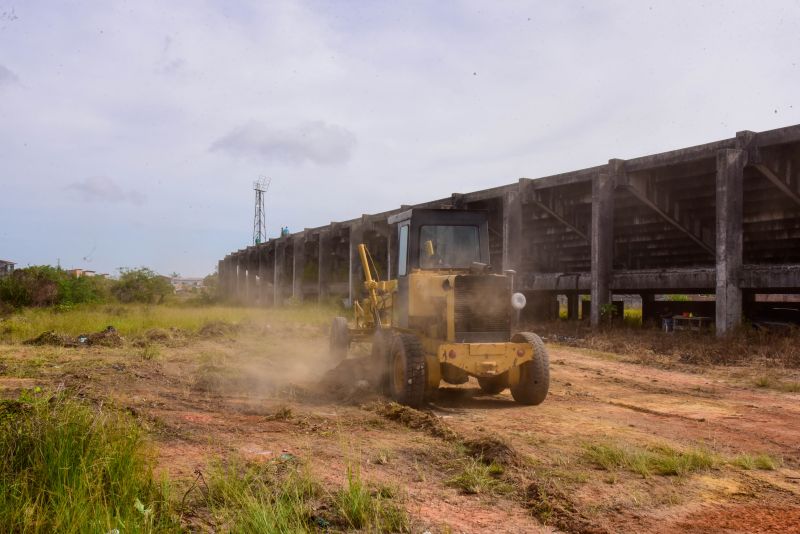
(721, 218)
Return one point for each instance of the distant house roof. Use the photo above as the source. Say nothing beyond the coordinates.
(8, 261)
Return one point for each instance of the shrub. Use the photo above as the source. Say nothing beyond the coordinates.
(43, 285)
(31, 286)
(141, 285)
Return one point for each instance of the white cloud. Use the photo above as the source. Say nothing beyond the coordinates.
(105, 189)
(314, 142)
(418, 99)
(7, 77)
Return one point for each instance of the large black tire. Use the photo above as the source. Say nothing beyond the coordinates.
(407, 374)
(534, 375)
(339, 339)
(492, 385)
(379, 358)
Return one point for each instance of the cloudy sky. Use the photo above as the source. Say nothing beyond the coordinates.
(131, 132)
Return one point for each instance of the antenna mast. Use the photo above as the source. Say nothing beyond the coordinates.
(260, 186)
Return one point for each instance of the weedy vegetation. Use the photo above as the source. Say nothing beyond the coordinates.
(139, 319)
(66, 466)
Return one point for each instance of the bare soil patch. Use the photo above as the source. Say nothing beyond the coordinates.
(261, 393)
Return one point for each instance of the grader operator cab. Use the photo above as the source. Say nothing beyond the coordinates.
(445, 316)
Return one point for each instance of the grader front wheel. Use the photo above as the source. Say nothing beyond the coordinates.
(534, 375)
(406, 370)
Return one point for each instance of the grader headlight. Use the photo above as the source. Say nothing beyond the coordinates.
(518, 301)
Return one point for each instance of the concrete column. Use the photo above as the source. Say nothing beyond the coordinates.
(241, 279)
(264, 296)
(355, 277)
(602, 239)
(649, 311)
(252, 282)
(229, 280)
(730, 178)
(324, 268)
(512, 230)
(573, 303)
(221, 278)
(298, 266)
(278, 272)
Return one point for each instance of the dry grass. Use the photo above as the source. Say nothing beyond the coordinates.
(649, 344)
(137, 320)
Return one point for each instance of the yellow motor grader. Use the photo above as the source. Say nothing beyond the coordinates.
(445, 316)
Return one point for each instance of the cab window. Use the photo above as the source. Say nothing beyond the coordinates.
(402, 252)
(448, 247)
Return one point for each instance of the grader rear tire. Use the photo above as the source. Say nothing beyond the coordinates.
(492, 385)
(407, 375)
(339, 339)
(534, 375)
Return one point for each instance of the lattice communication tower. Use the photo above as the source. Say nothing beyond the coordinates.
(260, 186)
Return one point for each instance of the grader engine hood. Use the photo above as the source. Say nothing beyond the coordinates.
(461, 308)
(482, 312)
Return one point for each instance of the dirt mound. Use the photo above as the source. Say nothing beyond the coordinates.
(52, 338)
(492, 450)
(106, 338)
(551, 505)
(217, 329)
(157, 335)
(353, 380)
(416, 419)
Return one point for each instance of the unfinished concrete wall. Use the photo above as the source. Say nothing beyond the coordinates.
(721, 218)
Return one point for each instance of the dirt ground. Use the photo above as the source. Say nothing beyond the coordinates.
(257, 394)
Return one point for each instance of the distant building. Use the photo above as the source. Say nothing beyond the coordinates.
(6, 267)
(77, 273)
(186, 284)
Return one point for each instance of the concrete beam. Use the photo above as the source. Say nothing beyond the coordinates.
(760, 278)
(730, 179)
(643, 188)
(551, 208)
(602, 238)
(776, 180)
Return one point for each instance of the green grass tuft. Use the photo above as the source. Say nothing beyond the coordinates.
(476, 478)
(362, 508)
(755, 461)
(655, 459)
(264, 498)
(68, 467)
